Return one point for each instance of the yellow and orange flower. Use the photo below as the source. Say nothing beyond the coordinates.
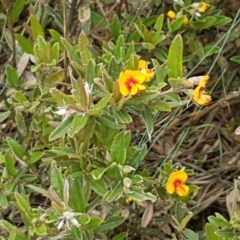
(176, 183)
(171, 14)
(203, 7)
(200, 96)
(142, 67)
(131, 82)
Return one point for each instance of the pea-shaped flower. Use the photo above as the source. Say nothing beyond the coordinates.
(176, 183)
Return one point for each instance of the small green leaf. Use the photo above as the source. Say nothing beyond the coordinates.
(115, 26)
(99, 186)
(61, 98)
(10, 164)
(21, 125)
(19, 235)
(98, 108)
(98, 173)
(61, 129)
(16, 9)
(148, 119)
(12, 76)
(235, 59)
(79, 92)
(140, 196)
(36, 27)
(24, 206)
(161, 106)
(174, 61)
(78, 123)
(4, 115)
(159, 23)
(115, 193)
(118, 150)
(121, 236)
(119, 48)
(16, 149)
(79, 193)
(111, 223)
(57, 179)
(24, 43)
(94, 223)
(123, 116)
(176, 24)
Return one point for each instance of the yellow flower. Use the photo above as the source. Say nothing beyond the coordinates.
(176, 184)
(142, 67)
(171, 14)
(129, 200)
(203, 7)
(131, 82)
(196, 80)
(200, 96)
(186, 20)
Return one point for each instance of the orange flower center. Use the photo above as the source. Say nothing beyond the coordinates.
(130, 81)
(177, 183)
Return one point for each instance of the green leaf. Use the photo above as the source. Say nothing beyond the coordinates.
(174, 61)
(78, 123)
(138, 156)
(79, 193)
(111, 223)
(4, 115)
(144, 98)
(90, 72)
(3, 202)
(12, 76)
(235, 59)
(36, 27)
(24, 43)
(16, 9)
(10, 164)
(119, 48)
(176, 24)
(21, 125)
(24, 207)
(204, 23)
(16, 149)
(94, 223)
(190, 235)
(98, 173)
(99, 186)
(140, 196)
(55, 52)
(61, 129)
(161, 106)
(79, 92)
(84, 50)
(123, 116)
(121, 236)
(148, 119)
(57, 179)
(61, 98)
(159, 23)
(19, 235)
(118, 150)
(98, 108)
(115, 26)
(210, 230)
(115, 193)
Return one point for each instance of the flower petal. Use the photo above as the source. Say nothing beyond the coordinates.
(182, 190)
(134, 89)
(122, 85)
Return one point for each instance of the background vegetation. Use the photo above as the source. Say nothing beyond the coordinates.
(80, 161)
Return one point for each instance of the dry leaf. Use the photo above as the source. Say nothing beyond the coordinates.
(147, 215)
